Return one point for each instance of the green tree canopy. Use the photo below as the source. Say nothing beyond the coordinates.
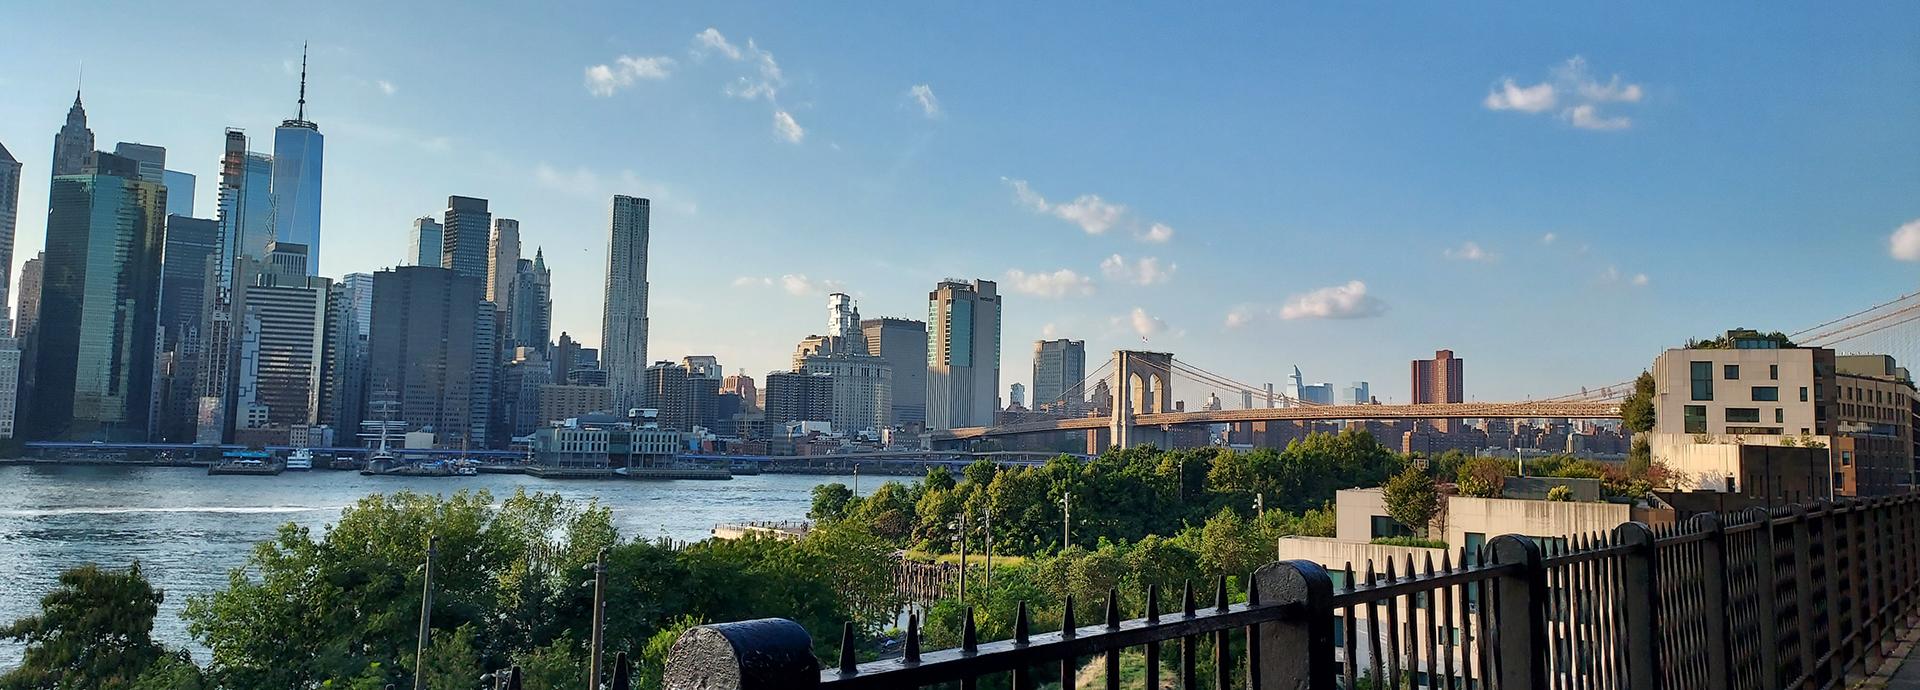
(94, 632)
(1412, 500)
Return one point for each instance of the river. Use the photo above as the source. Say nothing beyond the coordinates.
(188, 529)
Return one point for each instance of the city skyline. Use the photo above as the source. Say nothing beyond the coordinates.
(1569, 219)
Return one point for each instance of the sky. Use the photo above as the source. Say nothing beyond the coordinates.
(1554, 193)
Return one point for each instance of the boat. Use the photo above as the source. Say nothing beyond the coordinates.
(300, 460)
(382, 461)
(466, 467)
(246, 462)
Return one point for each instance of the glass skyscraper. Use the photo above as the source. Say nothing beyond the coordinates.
(298, 150)
(623, 324)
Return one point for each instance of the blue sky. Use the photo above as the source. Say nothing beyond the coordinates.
(1342, 187)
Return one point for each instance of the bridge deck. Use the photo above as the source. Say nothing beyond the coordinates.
(1522, 410)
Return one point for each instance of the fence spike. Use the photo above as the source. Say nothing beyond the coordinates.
(1446, 561)
(1021, 623)
(1349, 571)
(1220, 593)
(622, 680)
(1066, 619)
(1253, 590)
(1391, 576)
(1186, 598)
(1113, 608)
(1153, 602)
(1428, 570)
(912, 653)
(848, 662)
(969, 635)
(1369, 575)
(513, 678)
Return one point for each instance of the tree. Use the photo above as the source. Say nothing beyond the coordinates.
(94, 630)
(1412, 500)
(1484, 477)
(1640, 457)
(1560, 493)
(830, 502)
(1636, 411)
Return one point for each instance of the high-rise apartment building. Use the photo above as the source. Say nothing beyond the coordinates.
(431, 346)
(797, 397)
(32, 274)
(743, 386)
(963, 354)
(666, 391)
(1059, 368)
(179, 192)
(466, 230)
(623, 325)
(424, 243)
(1440, 380)
(530, 311)
(503, 261)
(94, 372)
(298, 153)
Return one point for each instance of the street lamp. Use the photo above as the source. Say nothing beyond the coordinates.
(960, 535)
(1066, 520)
(599, 635)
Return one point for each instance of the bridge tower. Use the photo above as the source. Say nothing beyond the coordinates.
(1142, 384)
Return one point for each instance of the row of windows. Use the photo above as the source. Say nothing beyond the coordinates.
(1694, 417)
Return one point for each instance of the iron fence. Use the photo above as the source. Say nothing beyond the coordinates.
(1796, 597)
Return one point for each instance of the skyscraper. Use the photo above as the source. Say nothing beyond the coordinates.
(423, 244)
(246, 228)
(150, 160)
(665, 389)
(465, 234)
(343, 359)
(185, 264)
(623, 325)
(531, 309)
(1017, 396)
(1059, 366)
(9, 215)
(431, 346)
(963, 354)
(32, 273)
(503, 258)
(902, 343)
(95, 367)
(1439, 380)
(179, 192)
(298, 151)
(292, 310)
(73, 143)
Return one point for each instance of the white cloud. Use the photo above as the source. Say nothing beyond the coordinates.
(1573, 93)
(1057, 284)
(1349, 301)
(604, 80)
(1613, 275)
(923, 94)
(1144, 325)
(386, 87)
(1144, 271)
(1050, 331)
(1239, 316)
(767, 81)
(1468, 251)
(787, 128)
(1526, 99)
(586, 183)
(1641, 279)
(1026, 196)
(1092, 213)
(1159, 233)
(799, 285)
(1904, 243)
(710, 41)
(1548, 238)
(750, 281)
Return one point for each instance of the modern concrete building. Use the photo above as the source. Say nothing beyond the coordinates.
(1059, 371)
(466, 233)
(99, 311)
(902, 344)
(664, 388)
(1440, 380)
(299, 152)
(797, 397)
(623, 324)
(963, 354)
(424, 243)
(558, 402)
(431, 344)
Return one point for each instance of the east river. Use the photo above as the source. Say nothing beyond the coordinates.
(188, 530)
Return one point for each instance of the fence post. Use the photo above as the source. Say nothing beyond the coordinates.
(1296, 653)
(1713, 585)
(1520, 605)
(1803, 591)
(763, 654)
(1766, 594)
(1640, 605)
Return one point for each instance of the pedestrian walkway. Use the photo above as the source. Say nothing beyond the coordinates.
(1906, 674)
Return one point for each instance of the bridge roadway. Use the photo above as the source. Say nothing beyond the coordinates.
(1521, 410)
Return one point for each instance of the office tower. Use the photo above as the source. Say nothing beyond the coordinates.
(797, 397)
(565, 355)
(1017, 397)
(179, 192)
(665, 390)
(431, 345)
(743, 386)
(1306, 393)
(94, 372)
(1357, 394)
(843, 324)
(9, 215)
(291, 308)
(423, 245)
(623, 325)
(150, 160)
(862, 383)
(184, 265)
(530, 311)
(521, 379)
(246, 228)
(465, 233)
(503, 259)
(558, 402)
(902, 343)
(343, 359)
(963, 354)
(1439, 380)
(73, 143)
(703, 391)
(28, 313)
(1059, 367)
(298, 152)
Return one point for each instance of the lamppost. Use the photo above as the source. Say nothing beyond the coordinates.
(599, 634)
(1260, 504)
(856, 480)
(960, 535)
(1066, 520)
(426, 616)
(987, 513)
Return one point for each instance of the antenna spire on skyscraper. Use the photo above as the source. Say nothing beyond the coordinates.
(302, 114)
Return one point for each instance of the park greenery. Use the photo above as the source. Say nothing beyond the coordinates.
(340, 607)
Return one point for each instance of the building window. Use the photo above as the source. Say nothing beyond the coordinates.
(1696, 419)
(1803, 394)
(1702, 374)
(1779, 416)
(1743, 414)
(1766, 394)
(1384, 526)
(1732, 372)
(1839, 482)
(1846, 458)
(1773, 372)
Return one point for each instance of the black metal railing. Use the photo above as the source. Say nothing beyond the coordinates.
(1790, 598)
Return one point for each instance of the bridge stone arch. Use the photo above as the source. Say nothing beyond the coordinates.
(1142, 384)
